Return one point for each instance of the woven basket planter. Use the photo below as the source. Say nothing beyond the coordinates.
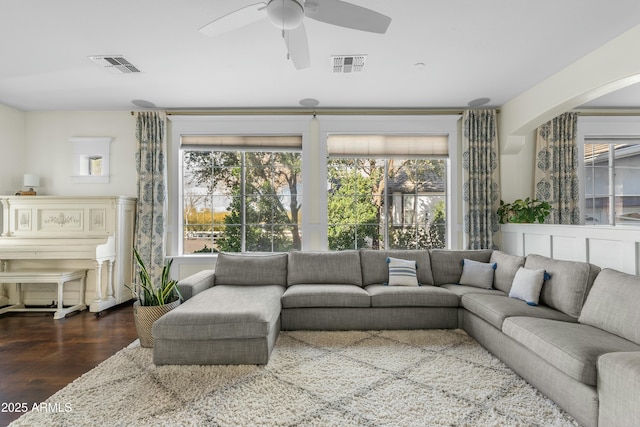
(145, 315)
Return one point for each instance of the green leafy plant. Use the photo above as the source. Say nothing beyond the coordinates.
(524, 211)
(146, 293)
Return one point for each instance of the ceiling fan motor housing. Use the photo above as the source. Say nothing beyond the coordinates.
(285, 14)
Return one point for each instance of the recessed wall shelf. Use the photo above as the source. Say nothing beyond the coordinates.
(90, 159)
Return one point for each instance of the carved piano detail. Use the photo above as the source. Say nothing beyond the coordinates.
(80, 232)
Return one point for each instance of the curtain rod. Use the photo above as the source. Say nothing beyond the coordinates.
(319, 111)
(372, 112)
(607, 112)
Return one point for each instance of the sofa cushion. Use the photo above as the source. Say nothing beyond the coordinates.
(527, 285)
(223, 312)
(324, 268)
(403, 296)
(478, 274)
(402, 272)
(612, 304)
(496, 308)
(567, 288)
(297, 296)
(571, 347)
(251, 269)
(506, 268)
(463, 290)
(375, 270)
(447, 264)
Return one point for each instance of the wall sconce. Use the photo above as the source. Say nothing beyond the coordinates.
(30, 181)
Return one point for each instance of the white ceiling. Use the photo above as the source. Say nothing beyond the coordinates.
(470, 48)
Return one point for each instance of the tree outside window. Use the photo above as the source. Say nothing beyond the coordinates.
(386, 203)
(237, 201)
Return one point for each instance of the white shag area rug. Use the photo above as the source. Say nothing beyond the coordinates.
(373, 378)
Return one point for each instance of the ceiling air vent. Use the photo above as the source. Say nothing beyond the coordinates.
(348, 63)
(115, 63)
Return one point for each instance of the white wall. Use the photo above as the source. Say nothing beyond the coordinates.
(48, 152)
(604, 70)
(606, 247)
(12, 149)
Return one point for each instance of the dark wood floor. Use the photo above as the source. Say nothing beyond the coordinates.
(39, 355)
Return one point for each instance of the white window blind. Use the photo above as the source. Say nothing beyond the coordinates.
(388, 145)
(242, 142)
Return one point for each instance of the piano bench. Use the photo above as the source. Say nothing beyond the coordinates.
(55, 276)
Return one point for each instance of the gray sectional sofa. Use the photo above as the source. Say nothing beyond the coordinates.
(580, 345)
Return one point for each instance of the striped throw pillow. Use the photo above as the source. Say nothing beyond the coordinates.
(402, 272)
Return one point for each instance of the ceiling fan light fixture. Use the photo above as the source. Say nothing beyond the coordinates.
(285, 14)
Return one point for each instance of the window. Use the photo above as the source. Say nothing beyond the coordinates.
(386, 202)
(241, 194)
(219, 198)
(612, 181)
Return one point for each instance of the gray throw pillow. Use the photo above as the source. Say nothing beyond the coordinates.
(478, 274)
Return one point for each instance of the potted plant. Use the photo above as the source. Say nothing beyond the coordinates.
(152, 300)
(523, 211)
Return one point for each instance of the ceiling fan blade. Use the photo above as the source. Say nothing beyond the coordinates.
(234, 20)
(347, 15)
(298, 47)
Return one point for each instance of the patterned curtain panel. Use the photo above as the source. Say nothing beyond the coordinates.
(152, 190)
(557, 168)
(481, 193)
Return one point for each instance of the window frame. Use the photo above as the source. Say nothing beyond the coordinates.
(389, 221)
(613, 128)
(244, 195)
(447, 125)
(314, 157)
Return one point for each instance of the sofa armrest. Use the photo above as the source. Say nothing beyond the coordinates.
(619, 389)
(196, 283)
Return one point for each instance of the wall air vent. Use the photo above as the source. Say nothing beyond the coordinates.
(343, 64)
(115, 63)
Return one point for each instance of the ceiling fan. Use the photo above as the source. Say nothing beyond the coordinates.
(288, 15)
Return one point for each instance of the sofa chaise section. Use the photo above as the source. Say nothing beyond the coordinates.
(234, 321)
(221, 325)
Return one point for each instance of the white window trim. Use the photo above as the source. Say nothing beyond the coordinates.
(398, 125)
(219, 125)
(602, 127)
(314, 160)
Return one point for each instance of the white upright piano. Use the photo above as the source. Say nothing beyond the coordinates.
(94, 233)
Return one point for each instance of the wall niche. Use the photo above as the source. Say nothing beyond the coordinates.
(90, 159)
